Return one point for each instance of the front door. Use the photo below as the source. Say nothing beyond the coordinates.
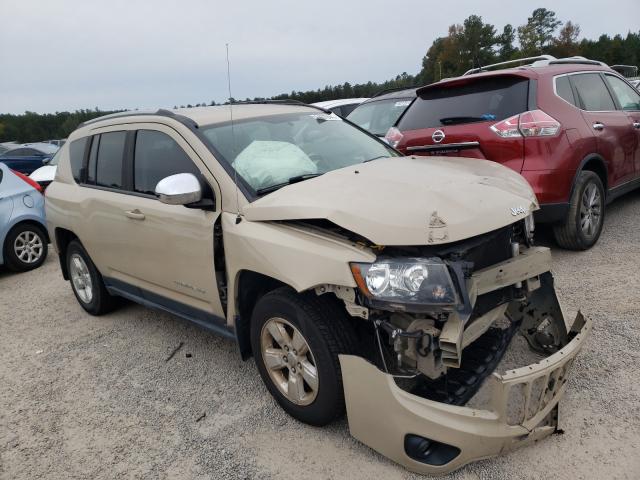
(628, 99)
(162, 253)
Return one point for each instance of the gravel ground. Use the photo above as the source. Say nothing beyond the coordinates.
(86, 397)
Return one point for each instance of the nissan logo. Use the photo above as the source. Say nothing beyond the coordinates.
(438, 136)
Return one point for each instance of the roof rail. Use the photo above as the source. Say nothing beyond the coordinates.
(394, 89)
(570, 60)
(510, 62)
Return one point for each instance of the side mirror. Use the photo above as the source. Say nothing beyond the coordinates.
(179, 189)
(46, 161)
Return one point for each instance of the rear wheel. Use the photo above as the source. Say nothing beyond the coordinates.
(296, 340)
(86, 281)
(25, 247)
(585, 220)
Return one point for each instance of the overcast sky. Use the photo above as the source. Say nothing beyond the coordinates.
(60, 55)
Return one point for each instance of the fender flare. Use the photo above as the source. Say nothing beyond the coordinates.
(596, 158)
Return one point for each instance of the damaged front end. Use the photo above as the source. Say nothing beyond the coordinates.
(440, 387)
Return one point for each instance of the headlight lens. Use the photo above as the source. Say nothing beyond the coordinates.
(411, 280)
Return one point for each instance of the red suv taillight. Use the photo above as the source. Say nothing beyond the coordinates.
(534, 123)
(31, 182)
(393, 136)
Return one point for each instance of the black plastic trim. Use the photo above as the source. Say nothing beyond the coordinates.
(551, 213)
(430, 452)
(149, 299)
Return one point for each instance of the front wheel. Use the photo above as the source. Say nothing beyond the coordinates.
(585, 220)
(296, 340)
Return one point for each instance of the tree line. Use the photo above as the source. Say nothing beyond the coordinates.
(471, 44)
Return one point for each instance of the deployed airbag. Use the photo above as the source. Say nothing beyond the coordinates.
(264, 163)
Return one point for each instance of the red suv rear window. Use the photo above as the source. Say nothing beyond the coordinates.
(481, 100)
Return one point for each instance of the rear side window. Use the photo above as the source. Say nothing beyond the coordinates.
(563, 89)
(628, 98)
(76, 157)
(110, 157)
(157, 156)
(485, 99)
(93, 160)
(592, 92)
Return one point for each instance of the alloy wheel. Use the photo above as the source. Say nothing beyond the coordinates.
(289, 361)
(28, 247)
(590, 210)
(81, 278)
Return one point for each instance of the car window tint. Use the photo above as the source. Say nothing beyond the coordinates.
(563, 89)
(76, 157)
(18, 152)
(480, 100)
(628, 97)
(592, 92)
(93, 157)
(157, 156)
(110, 157)
(347, 109)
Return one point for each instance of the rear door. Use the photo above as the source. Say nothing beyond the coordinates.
(616, 140)
(628, 99)
(455, 119)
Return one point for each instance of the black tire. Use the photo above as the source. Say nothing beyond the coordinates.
(11, 258)
(325, 327)
(101, 301)
(570, 234)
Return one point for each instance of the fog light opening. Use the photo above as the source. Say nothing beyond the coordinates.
(429, 451)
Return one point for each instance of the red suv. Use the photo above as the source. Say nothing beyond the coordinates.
(571, 127)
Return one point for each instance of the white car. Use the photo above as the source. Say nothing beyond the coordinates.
(45, 174)
(342, 107)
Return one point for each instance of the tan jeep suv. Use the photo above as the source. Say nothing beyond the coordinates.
(355, 277)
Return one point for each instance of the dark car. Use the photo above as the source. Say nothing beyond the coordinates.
(570, 126)
(381, 112)
(28, 157)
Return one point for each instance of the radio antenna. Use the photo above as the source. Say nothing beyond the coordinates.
(233, 138)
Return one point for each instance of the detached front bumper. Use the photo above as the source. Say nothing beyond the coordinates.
(433, 438)
(388, 419)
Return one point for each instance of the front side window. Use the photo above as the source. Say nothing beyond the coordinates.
(628, 97)
(272, 151)
(157, 156)
(592, 92)
(18, 152)
(380, 115)
(110, 158)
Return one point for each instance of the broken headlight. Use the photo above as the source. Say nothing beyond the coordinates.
(420, 281)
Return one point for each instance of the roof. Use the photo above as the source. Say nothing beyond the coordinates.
(47, 148)
(340, 102)
(205, 115)
(528, 71)
(400, 93)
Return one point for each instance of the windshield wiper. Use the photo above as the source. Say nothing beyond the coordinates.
(296, 179)
(376, 158)
(453, 120)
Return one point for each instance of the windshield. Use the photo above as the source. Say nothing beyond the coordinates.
(276, 150)
(379, 116)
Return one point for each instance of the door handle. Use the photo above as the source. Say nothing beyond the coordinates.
(636, 125)
(598, 126)
(134, 214)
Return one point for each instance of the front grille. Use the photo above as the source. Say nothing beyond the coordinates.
(525, 399)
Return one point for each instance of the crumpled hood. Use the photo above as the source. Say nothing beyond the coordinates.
(406, 201)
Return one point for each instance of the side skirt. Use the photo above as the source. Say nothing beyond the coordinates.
(205, 320)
